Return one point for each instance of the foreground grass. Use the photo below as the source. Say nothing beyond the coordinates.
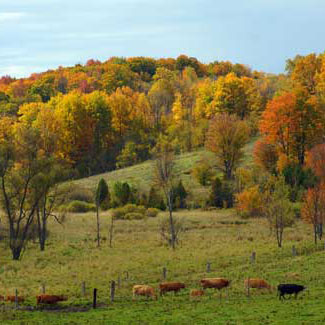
(219, 237)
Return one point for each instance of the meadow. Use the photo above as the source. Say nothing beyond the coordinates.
(219, 237)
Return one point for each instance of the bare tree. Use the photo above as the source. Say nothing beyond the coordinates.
(164, 178)
(111, 231)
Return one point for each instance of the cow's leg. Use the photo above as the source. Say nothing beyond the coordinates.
(296, 294)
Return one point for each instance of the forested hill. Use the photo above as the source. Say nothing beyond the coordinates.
(108, 114)
(104, 115)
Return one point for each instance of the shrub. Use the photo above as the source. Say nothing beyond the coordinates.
(203, 173)
(152, 212)
(118, 213)
(134, 208)
(129, 212)
(134, 216)
(249, 203)
(78, 193)
(79, 207)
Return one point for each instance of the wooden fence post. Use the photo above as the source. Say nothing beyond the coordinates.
(126, 275)
(16, 298)
(43, 289)
(83, 288)
(95, 298)
(164, 273)
(208, 267)
(253, 257)
(112, 290)
(294, 251)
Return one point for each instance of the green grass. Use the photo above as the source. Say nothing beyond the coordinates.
(219, 237)
(140, 175)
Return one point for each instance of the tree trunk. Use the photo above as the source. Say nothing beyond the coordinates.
(315, 233)
(16, 251)
(111, 229)
(171, 221)
(41, 225)
(97, 216)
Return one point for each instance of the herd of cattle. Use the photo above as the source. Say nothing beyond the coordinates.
(215, 283)
(148, 291)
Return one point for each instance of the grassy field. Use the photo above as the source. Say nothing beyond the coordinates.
(219, 237)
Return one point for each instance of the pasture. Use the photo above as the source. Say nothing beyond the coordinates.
(219, 237)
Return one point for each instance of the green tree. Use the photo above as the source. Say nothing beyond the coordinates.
(101, 195)
(226, 137)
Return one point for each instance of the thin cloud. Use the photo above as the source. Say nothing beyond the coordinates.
(10, 16)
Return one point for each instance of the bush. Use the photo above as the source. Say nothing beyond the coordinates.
(152, 212)
(134, 216)
(118, 213)
(78, 193)
(129, 208)
(250, 203)
(79, 207)
(129, 212)
(203, 173)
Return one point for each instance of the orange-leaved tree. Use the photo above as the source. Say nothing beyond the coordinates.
(293, 122)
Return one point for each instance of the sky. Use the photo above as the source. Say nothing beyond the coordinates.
(37, 35)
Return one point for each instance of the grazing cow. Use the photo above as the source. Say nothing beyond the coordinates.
(196, 293)
(171, 286)
(256, 284)
(143, 290)
(289, 289)
(50, 299)
(215, 283)
(13, 298)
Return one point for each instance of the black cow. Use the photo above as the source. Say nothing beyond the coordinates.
(289, 289)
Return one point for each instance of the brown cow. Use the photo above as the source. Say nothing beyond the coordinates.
(195, 293)
(143, 290)
(215, 283)
(256, 284)
(171, 286)
(13, 298)
(50, 299)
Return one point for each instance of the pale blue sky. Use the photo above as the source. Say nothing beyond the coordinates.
(36, 35)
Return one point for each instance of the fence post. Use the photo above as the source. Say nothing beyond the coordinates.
(126, 275)
(208, 267)
(16, 298)
(95, 298)
(164, 273)
(43, 289)
(248, 287)
(294, 251)
(112, 290)
(83, 288)
(253, 257)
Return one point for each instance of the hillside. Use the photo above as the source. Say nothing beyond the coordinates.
(140, 175)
